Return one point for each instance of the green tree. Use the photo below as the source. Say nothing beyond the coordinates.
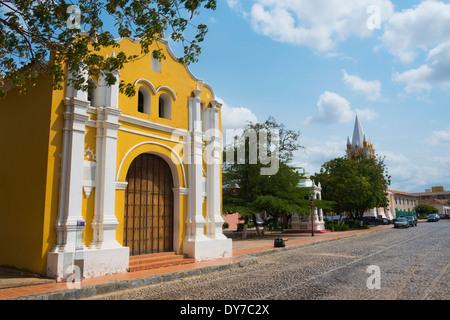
(424, 210)
(354, 186)
(45, 37)
(278, 194)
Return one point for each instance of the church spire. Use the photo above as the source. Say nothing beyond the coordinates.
(358, 134)
(360, 145)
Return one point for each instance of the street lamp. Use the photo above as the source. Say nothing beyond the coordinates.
(312, 218)
(234, 189)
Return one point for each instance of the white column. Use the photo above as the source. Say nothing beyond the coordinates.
(196, 221)
(214, 155)
(319, 196)
(70, 198)
(105, 222)
(60, 260)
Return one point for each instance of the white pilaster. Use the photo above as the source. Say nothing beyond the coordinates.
(214, 156)
(104, 255)
(105, 222)
(196, 244)
(196, 221)
(70, 197)
(61, 258)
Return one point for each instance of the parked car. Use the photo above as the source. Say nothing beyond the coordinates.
(401, 223)
(412, 221)
(371, 220)
(433, 217)
(441, 216)
(386, 221)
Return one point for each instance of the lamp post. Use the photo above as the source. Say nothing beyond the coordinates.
(234, 189)
(312, 218)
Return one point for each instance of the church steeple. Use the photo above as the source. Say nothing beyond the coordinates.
(359, 145)
(358, 134)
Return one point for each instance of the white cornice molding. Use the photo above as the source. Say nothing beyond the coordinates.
(152, 125)
(149, 135)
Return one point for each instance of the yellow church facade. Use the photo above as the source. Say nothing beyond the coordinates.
(103, 176)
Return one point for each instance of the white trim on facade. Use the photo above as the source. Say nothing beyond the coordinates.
(152, 125)
(155, 91)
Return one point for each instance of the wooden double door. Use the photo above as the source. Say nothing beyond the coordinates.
(148, 223)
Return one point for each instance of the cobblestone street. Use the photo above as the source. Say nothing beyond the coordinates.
(413, 264)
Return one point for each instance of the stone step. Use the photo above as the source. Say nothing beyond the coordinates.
(157, 260)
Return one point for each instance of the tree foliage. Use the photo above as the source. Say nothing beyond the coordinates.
(354, 186)
(278, 194)
(425, 209)
(43, 36)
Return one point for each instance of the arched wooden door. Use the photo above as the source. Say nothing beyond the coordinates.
(148, 222)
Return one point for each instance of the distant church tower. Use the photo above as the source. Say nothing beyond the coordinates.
(359, 145)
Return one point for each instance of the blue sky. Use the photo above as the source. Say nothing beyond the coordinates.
(314, 65)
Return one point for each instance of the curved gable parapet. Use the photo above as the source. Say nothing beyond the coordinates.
(155, 91)
(175, 58)
(141, 80)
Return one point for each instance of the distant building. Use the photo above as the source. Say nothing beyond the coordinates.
(301, 223)
(402, 203)
(436, 197)
(433, 193)
(360, 146)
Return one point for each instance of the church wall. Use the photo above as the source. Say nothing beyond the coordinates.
(32, 162)
(24, 144)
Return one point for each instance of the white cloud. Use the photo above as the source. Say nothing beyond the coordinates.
(233, 3)
(319, 24)
(436, 71)
(317, 152)
(418, 29)
(236, 117)
(440, 138)
(366, 114)
(334, 108)
(409, 175)
(370, 89)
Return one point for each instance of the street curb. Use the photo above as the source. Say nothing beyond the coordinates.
(120, 285)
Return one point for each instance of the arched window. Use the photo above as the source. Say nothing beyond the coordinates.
(91, 94)
(144, 101)
(165, 106)
(140, 102)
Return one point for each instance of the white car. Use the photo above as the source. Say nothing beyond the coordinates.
(401, 223)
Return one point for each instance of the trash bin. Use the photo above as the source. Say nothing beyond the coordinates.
(279, 243)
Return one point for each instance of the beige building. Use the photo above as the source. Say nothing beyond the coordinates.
(436, 197)
(442, 205)
(402, 203)
(438, 193)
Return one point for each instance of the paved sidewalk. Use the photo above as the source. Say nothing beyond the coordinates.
(245, 252)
